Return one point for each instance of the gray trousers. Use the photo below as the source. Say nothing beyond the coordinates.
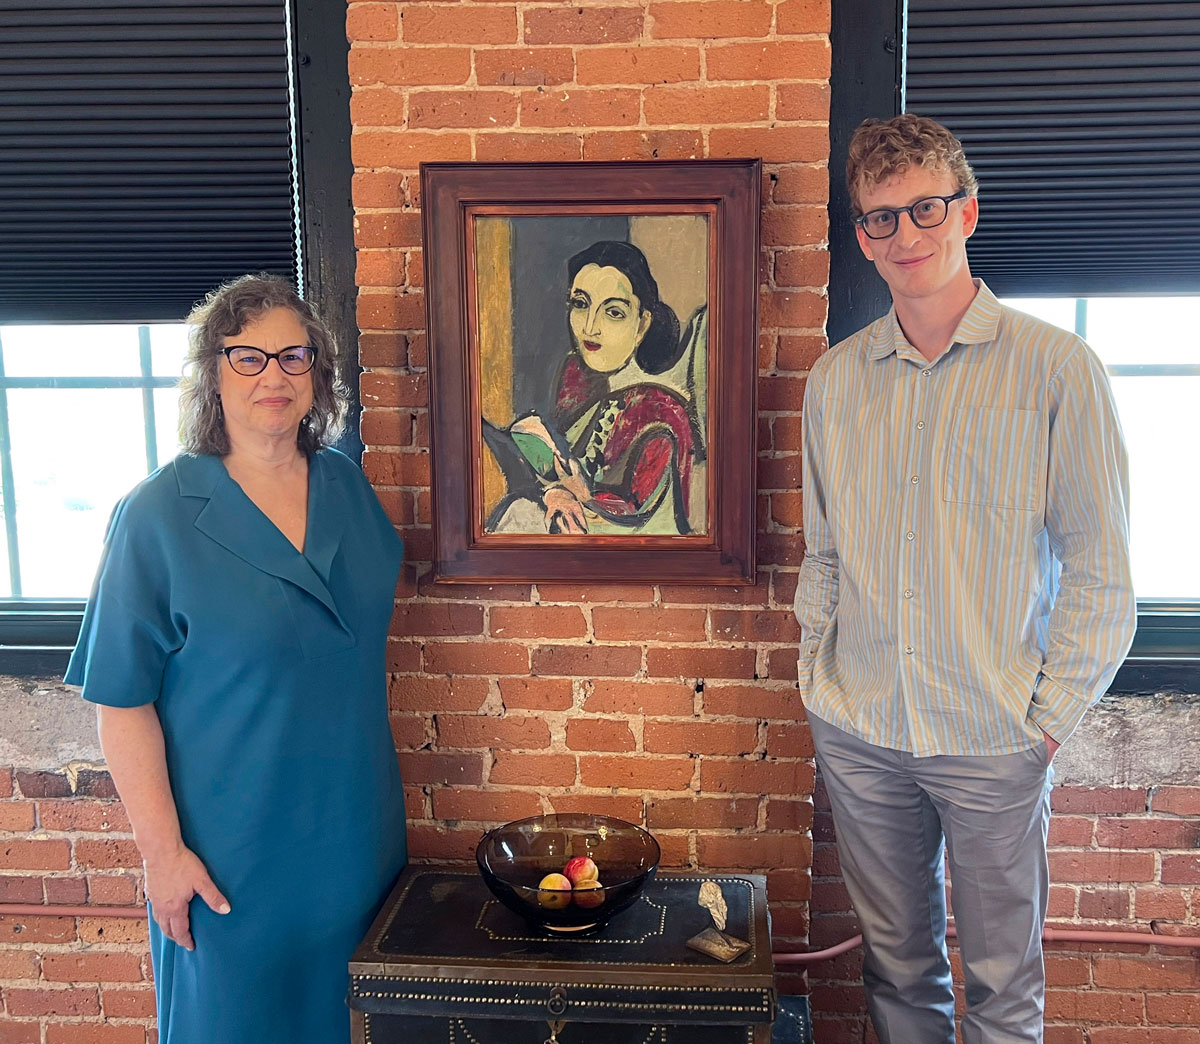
(896, 815)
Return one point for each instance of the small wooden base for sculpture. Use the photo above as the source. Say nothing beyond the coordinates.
(719, 945)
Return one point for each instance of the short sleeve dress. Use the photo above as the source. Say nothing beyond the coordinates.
(267, 670)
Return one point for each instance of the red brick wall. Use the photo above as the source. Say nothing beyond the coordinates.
(1120, 859)
(64, 840)
(669, 705)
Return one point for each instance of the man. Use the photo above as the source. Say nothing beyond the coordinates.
(965, 596)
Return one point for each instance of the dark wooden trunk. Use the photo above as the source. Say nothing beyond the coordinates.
(445, 963)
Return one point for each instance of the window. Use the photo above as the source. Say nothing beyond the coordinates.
(1067, 117)
(153, 149)
(1148, 346)
(85, 413)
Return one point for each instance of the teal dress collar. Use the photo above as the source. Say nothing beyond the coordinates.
(235, 522)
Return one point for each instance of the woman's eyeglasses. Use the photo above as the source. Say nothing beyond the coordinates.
(251, 361)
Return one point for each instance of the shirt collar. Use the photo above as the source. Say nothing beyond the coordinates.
(231, 519)
(979, 325)
(198, 474)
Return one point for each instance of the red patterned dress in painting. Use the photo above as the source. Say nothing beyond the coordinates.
(636, 446)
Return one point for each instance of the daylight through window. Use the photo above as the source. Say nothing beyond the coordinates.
(85, 413)
(1148, 347)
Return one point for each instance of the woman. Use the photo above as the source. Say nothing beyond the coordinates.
(234, 646)
(616, 453)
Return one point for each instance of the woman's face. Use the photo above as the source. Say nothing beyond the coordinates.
(607, 320)
(270, 404)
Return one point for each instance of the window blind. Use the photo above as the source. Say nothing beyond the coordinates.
(147, 153)
(1082, 122)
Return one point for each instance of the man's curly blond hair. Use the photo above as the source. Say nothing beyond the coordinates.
(881, 148)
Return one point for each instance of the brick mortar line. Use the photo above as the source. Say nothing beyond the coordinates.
(769, 167)
(704, 44)
(765, 123)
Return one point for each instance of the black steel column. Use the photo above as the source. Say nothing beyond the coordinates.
(867, 38)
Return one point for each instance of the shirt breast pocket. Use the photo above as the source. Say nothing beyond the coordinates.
(993, 458)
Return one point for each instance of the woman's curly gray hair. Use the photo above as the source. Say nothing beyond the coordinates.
(226, 312)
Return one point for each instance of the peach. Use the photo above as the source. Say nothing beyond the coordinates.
(588, 894)
(554, 892)
(581, 868)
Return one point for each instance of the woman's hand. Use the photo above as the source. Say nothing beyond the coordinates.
(570, 477)
(171, 883)
(561, 503)
(132, 740)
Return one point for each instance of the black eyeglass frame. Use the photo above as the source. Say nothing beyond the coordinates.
(268, 356)
(861, 222)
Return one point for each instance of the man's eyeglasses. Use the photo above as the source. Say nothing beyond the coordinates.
(925, 213)
(251, 361)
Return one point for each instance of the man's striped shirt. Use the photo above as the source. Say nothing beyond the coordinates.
(966, 582)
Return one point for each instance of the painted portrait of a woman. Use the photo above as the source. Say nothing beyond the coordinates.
(616, 446)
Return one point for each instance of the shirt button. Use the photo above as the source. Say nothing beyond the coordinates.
(926, 373)
(908, 593)
(920, 425)
(908, 649)
(915, 479)
(910, 535)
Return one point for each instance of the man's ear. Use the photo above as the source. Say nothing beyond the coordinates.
(970, 216)
(864, 243)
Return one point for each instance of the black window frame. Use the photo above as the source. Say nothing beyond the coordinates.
(867, 79)
(37, 635)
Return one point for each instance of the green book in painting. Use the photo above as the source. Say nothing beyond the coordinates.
(535, 450)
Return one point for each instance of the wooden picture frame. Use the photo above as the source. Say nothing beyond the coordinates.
(593, 351)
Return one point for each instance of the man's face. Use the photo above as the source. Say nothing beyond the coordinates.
(919, 262)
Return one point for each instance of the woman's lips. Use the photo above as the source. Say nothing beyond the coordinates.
(273, 403)
(592, 346)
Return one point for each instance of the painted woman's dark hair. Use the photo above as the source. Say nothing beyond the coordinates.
(660, 348)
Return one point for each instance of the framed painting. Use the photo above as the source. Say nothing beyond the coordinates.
(593, 362)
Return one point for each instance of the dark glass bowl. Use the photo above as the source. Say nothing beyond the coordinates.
(514, 858)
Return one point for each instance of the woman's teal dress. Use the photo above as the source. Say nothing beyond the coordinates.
(267, 670)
